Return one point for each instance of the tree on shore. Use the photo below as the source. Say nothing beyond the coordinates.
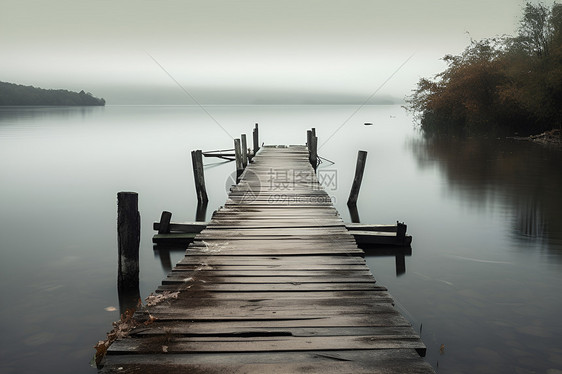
(501, 85)
(15, 94)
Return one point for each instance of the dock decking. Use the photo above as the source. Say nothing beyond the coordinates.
(274, 284)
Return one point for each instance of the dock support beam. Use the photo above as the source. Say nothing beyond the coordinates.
(359, 170)
(199, 176)
(128, 237)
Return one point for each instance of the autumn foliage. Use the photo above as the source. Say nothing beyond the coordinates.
(502, 85)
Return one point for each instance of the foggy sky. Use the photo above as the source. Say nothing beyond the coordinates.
(337, 48)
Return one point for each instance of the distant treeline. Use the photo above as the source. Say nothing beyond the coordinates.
(15, 94)
(501, 85)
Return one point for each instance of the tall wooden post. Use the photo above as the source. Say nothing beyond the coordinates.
(256, 139)
(239, 163)
(128, 238)
(199, 176)
(244, 150)
(313, 151)
(359, 169)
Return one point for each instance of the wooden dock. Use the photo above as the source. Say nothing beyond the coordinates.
(275, 283)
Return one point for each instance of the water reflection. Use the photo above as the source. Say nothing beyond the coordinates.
(524, 178)
(15, 114)
(163, 252)
(129, 296)
(399, 254)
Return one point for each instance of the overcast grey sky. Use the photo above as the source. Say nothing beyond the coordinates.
(344, 47)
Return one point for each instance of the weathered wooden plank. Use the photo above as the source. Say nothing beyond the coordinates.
(357, 320)
(273, 260)
(396, 361)
(255, 308)
(271, 287)
(336, 273)
(265, 344)
(179, 278)
(214, 329)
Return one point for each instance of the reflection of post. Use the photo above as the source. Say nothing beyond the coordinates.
(201, 212)
(400, 263)
(354, 213)
(165, 259)
(128, 235)
(359, 169)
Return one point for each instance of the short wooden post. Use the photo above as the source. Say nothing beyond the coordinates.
(199, 175)
(401, 232)
(128, 236)
(359, 170)
(256, 139)
(239, 163)
(244, 150)
(308, 141)
(165, 219)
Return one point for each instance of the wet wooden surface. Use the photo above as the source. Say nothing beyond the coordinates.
(274, 284)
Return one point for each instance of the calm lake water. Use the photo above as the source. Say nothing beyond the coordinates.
(482, 285)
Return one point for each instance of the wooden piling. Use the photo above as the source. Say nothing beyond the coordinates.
(165, 219)
(239, 163)
(128, 235)
(244, 150)
(313, 150)
(359, 170)
(256, 140)
(199, 176)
